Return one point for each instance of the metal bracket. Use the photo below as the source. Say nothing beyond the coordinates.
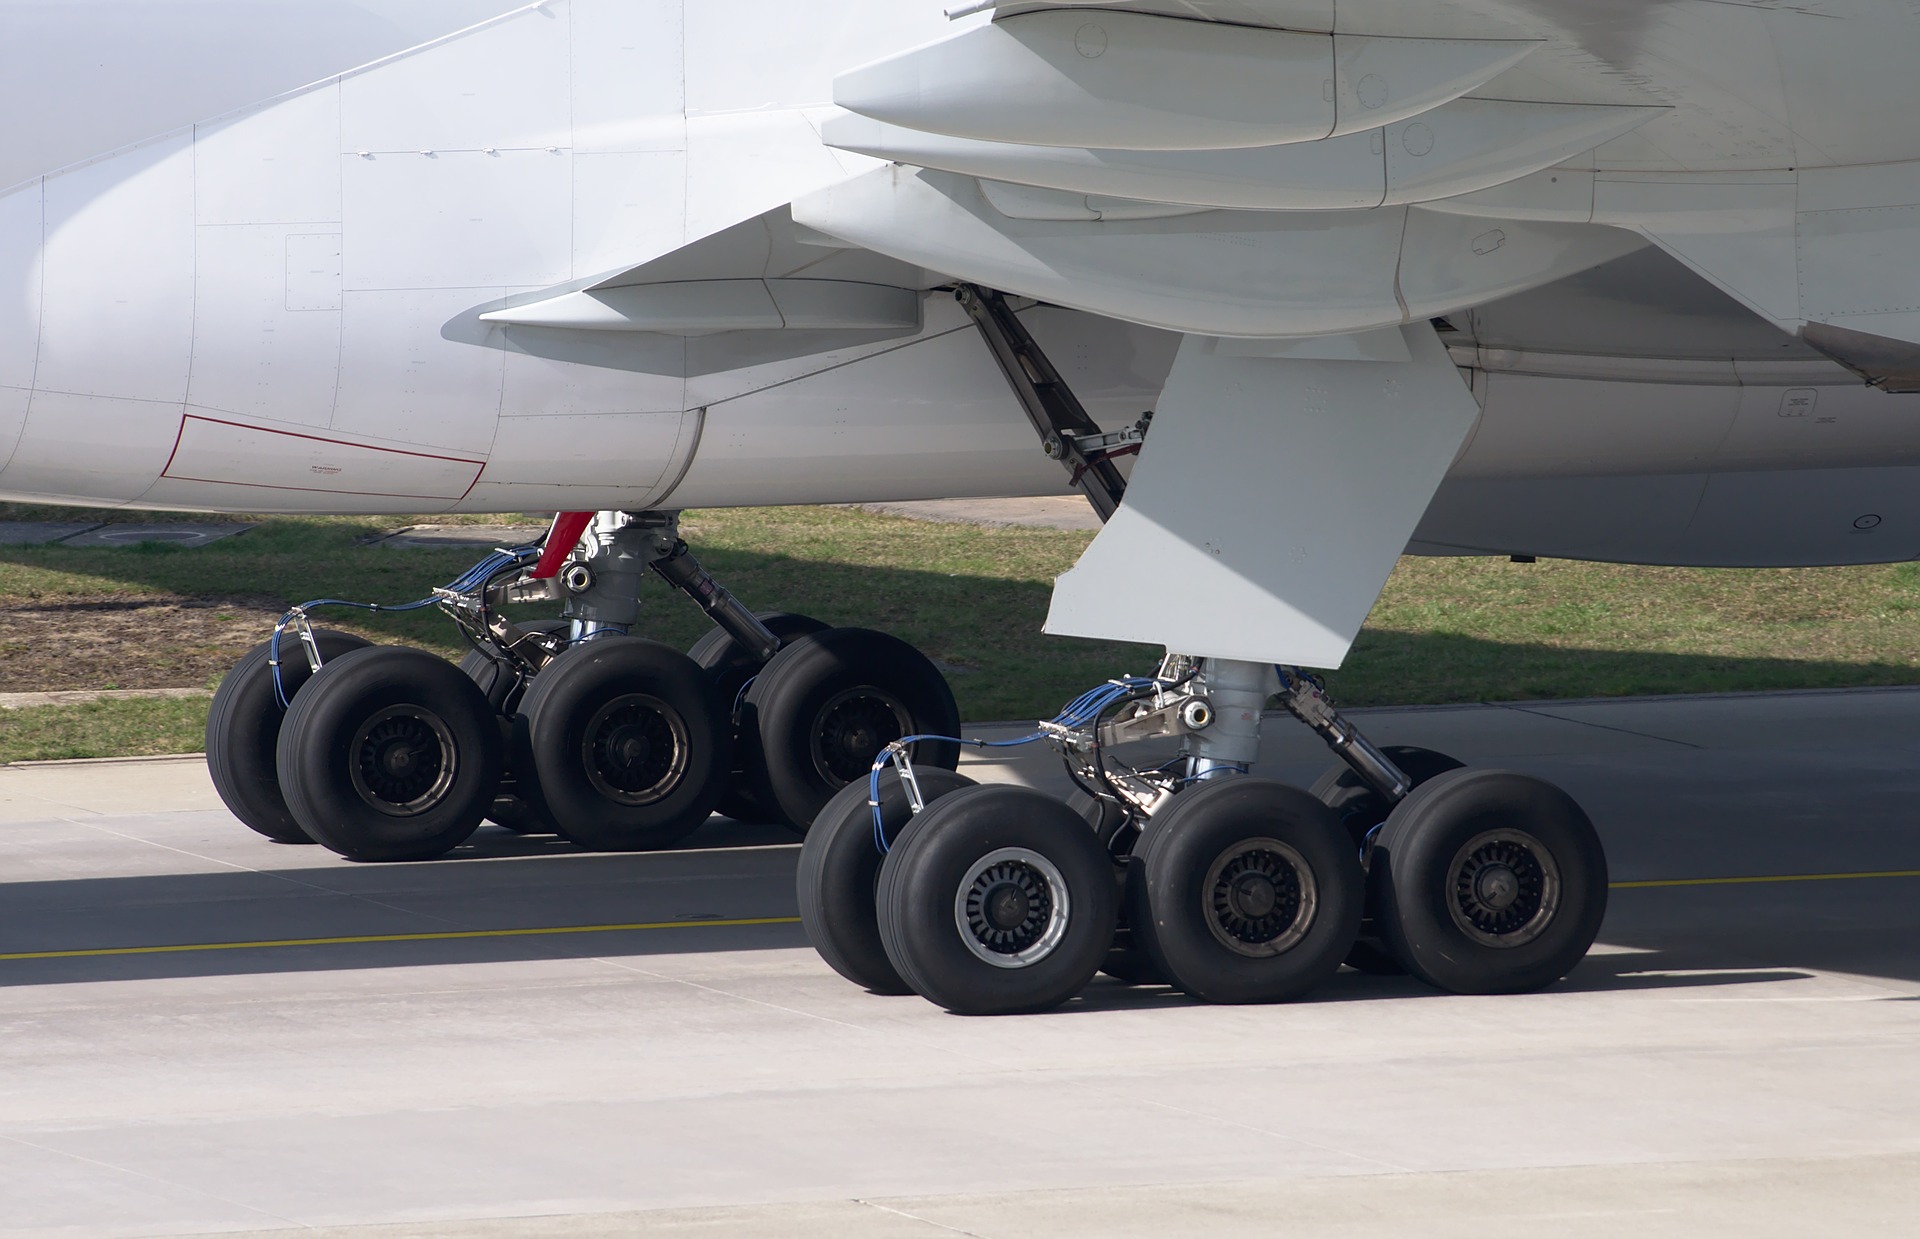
(1067, 433)
(675, 564)
(1308, 702)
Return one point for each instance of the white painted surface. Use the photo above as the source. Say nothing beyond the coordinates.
(709, 307)
(1226, 273)
(260, 351)
(20, 254)
(274, 165)
(117, 299)
(1135, 81)
(1462, 147)
(473, 220)
(91, 449)
(400, 382)
(214, 450)
(540, 467)
(1272, 500)
(867, 433)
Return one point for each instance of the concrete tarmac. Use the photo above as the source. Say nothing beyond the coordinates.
(203, 1032)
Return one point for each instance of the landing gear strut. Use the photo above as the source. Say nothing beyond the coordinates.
(573, 726)
(1234, 888)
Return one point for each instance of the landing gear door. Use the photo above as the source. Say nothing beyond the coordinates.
(1280, 484)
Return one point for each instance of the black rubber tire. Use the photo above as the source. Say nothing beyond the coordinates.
(721, 657)
(484, 670)
(1175, 883)
(840, 871)
(243, 729)
(519, 816)
(1358, 806)
(1126, 960)
(327, 755)
(930, 867)
(509, 809)
(855, 690)
(1423, 852)
(1360, 809)
(571, 708)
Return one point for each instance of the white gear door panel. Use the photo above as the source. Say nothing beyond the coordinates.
(1271, 502)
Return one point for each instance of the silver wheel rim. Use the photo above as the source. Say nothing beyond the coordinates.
(1503, 888)
(1260, 898)
(402, 760)
(1012, 908)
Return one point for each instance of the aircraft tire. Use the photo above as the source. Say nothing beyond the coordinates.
(510, 809)
(1245, 891)
(820, 712)
(840, 870)
(390, 754)
(1127, 961)
(243, 729)
(625, 744)
(1360, 809)
(1489, 882)
(721, 657)
(997, 901)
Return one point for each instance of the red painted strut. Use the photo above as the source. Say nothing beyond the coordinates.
(561, 539)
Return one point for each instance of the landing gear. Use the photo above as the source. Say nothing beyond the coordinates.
(243, 731)
(617, 743)
(997, 900)
(733, 666)
(827, 704)
(504, 682)
(1489, 882)
(1362, 810)
(1237, 889)
(390, 754)
(840, 870)
(622, 744)
(1246, 890)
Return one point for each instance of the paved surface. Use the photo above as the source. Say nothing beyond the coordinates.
(96, 533)
(82, 696)
(482, 537)
(1735, 1059)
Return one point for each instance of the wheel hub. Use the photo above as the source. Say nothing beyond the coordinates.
(852, 728)
(1253, 896)
(1007, 907)
(1260, 898)
(1505, 888)
(1011, 908)
(403, 761)
(1498, 887)
(635, 749)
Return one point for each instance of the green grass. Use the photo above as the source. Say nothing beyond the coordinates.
(973, 599)
(121, 728)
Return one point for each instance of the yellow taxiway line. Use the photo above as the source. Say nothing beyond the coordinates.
(450, 935)
(456, 935)
(1766, 880)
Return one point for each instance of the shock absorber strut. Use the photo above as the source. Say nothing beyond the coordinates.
(675, 563)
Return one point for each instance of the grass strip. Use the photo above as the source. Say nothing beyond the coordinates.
(1445, 630)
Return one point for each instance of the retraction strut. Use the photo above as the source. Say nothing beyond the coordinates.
(1069, 435)
(1077, 442)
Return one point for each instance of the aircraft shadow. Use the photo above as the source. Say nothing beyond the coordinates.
(984, 629)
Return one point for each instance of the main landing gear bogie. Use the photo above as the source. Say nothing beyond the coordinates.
(570, 726)
(1229, 887)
